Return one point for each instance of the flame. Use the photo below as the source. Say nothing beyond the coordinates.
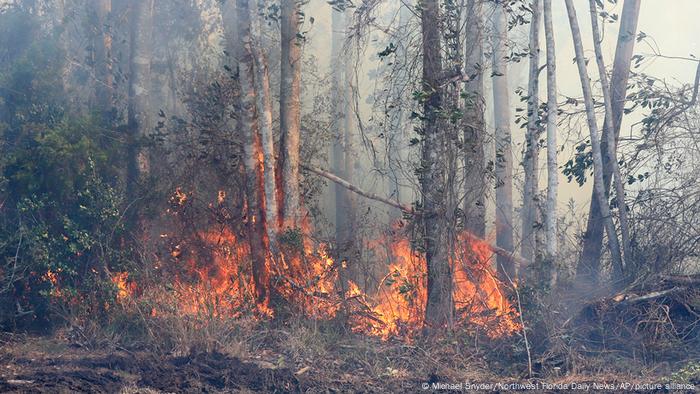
(211, 275)
(124, 288)
(398, 306)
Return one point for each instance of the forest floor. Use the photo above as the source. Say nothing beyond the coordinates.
(284, 362)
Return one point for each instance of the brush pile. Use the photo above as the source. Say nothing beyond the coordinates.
(657, 319)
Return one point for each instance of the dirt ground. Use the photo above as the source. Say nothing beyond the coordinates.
(50, 365)
(35, 364)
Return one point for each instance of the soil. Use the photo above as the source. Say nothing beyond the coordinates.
(79, 370)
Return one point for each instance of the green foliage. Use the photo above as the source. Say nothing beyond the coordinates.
(60, 206)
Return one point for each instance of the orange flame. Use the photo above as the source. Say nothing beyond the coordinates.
(212, 276)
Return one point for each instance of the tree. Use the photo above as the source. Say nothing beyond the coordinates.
(290, 114)
(343, 147)
(102, 60)
(552, 171)
(504, 156)
(611, 144)
(141, 30)
(439, 308)
(263, 107)
(474, 205)
(252, 154)
(613, 243)
(531, 156)
(588, 269)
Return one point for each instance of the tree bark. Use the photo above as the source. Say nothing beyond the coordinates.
(588, 269)
(531, 156)
(290, 115)
(252, 156)
(474, 205)
(611, 143)
(601, 196)
(504, 155)
(263, 106)
(551, 247)
(343, 154)
(141, 18)
(439, 309)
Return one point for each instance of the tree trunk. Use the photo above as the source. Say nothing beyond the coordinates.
(601, 196)
(252, 155)
(290, 115)
(439, 309)
(551, 247)
(350, 132)
(588, 269)
(141, 18)
(504, 156)
(343, 155)
(474, 205)
(611, 143)
(102, 43)
(531, 156)
(263, 106)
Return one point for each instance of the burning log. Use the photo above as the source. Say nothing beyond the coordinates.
(407, 209)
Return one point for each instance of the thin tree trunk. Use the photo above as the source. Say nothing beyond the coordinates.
(350, 132)
(474, 205)
(252, 155)
(290, 115)
(613, 243)
(397, 150)
(439, 309)
(611, 144)
(102, 44)
(263, 105)
(551, 247)
(588, 269)
(338, 153)
(504, 155)
(343, 146)
(141, 17)
(531, 156)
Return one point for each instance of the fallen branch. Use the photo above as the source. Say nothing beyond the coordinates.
(342, 182)
(408, 209)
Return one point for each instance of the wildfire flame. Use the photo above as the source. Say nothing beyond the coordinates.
(212, 276)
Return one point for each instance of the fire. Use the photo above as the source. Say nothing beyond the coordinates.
(124, 289)
(398, 305)
(211, 275)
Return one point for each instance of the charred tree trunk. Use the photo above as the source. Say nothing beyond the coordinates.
(263, 107)
(439, 309)
(588, 269)
(601, 195)
(141, 18)
(504, 155)
(290, 115)
(252, 155)
(474, 205)
(531, 156)
(343, 154)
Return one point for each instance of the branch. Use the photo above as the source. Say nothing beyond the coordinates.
(342, 182)
(405, 208)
